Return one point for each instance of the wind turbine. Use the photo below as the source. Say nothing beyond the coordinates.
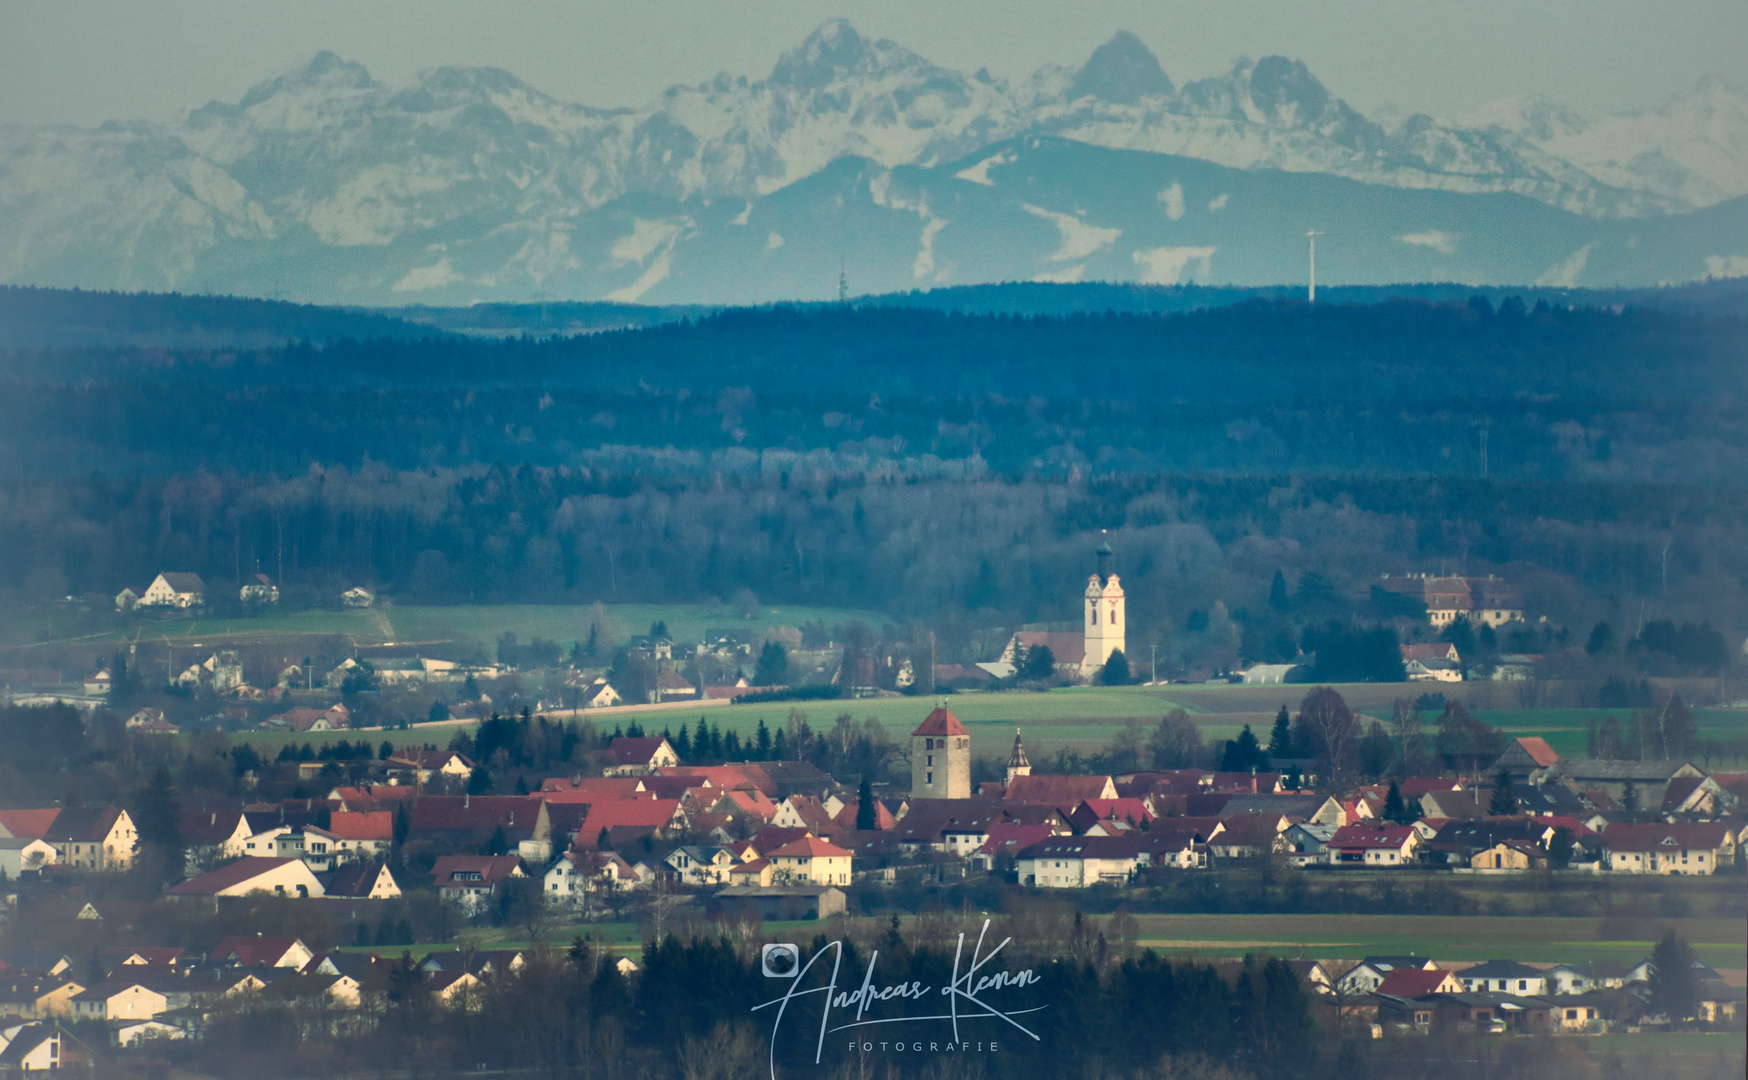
(1311, 240)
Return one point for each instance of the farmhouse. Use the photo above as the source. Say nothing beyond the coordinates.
(174, 590)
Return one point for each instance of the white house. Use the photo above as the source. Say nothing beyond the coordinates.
(279, 876)
(578, 873)
(174, 590)
(19, 854)
(702, 865)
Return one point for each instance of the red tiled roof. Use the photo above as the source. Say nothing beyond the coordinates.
(1538, 750)
(1066, 647)
(810, 846)
(490, 868)
(370, 825)
(626, 813)
(940, 722)
(1412, 982)
(28, 824)
(1066, 792)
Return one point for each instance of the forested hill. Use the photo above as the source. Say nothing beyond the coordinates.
(1255, 388)
(33, 317)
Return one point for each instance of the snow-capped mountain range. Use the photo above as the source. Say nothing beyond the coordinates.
(324, 184)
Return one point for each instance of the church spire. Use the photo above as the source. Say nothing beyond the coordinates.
(1018, 763)
(1104, 554)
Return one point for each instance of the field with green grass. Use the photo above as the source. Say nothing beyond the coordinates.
(1082, 717)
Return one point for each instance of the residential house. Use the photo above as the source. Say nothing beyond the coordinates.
(1570, 979)
(357, 597)
(1698, 796)
(1509, 855)
(417, 767)
(1246, 835)
(1005, 840)
(129, 597)
(1308, 844)
(1317, 809)
(259, 590)
(1078, 862)
(811, 861)
(250, 874)
(630, 820)
(1373, 845)
(45, 1048)
(701, 865)
(1367, 975)
(670, 685)
(366, 880)
(594, 693)
(578, 873)
(1504, 976)
(174, 590)
(639, 756)
(39, 996)
(361, 835)
(469, 880)
(1407, 982)
(93, 838)
(124, 996)
(24, 854)
(1659, 848)
(261, 952)
(211, 836)
(1451, 805)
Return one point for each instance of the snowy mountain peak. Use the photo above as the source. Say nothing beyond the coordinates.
(835, 51)
(325, 73)
(1122, 71)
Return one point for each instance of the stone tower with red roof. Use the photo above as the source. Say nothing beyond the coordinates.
(940, 758)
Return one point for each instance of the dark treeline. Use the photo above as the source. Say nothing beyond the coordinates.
(1194, 552)
(915, 462)
(1397, 388)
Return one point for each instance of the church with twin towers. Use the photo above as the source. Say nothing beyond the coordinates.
(940, 747)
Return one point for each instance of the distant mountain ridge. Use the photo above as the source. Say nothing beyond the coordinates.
(469, 184)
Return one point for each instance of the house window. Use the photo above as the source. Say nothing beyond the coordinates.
(1095, 615)
(929, 778)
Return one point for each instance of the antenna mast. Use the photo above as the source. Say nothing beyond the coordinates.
(1311, 240)
(843, 284)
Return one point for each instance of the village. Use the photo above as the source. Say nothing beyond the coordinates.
(654, 829)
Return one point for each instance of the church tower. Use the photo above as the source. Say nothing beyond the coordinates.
(1018, 763)
(1106, 621)
(940, 758)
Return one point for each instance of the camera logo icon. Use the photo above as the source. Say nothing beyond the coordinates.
(780, 961)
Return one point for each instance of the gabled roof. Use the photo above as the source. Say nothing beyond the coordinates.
(1500, 969)
(355, 879)
(366, 825)
(808, 847)
(1359, 837)
(254, 951)
(82, 824)
(183, 583)
(490, 868)
(208, 828)
(29, 824)
(228, 876)
(1412, 982)
(621, 813)
(626, 750)
(1065, 792)
(1066, 647)
(471, 813)
(1537, 750)
(940, 722)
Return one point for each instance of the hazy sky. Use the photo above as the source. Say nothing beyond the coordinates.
(84, 61)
